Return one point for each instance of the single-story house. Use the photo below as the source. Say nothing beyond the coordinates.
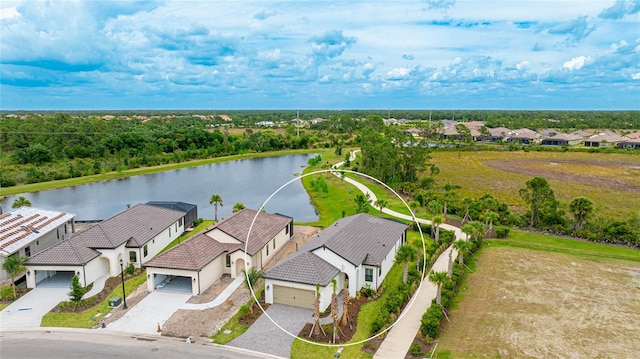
(191, 210)
(523, 136)
(562, 139)
(222, 249)
(28, 231)
(604, 139)
(497, 134)
(135, 235)
(356, 251)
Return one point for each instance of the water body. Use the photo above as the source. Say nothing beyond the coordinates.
(250, 181)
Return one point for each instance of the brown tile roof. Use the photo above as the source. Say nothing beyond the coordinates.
(303, 267)
(606, 137)
(68, 252)
(265, 227)
(192, 254)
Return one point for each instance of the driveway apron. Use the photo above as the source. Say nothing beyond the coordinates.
(155, 308)
(264, 336)
(31, 307)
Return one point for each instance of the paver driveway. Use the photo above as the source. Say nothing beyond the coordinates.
(264, 336)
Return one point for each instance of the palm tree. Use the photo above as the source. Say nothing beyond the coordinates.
(490, 217)
(463, 248)
(334, 309)
(21, 202)
(467, 201)
(315, 330)
(478, 232)
(381, 204)
(436, 221)
(215, 200)
(406, 253)
(238, 207)
(251, 278)
(450, 265)
(468, 229)
(345, 307)
(581, 208)
(438, 278)
(14, 265)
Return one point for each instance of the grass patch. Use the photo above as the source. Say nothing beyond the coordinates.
(186, 235)
(234, 326)
(87, 318)
(548, 243)
(4, 305)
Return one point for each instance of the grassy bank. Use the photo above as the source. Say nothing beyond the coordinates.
(186, 235)
(43, 186)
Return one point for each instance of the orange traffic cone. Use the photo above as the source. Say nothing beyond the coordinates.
(159, 330)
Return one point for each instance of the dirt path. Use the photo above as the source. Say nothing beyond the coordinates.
(204, 323)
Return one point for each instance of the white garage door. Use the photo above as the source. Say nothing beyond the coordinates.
(294, 296)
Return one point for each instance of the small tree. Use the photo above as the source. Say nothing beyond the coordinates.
(462, 247)
(345, 308)
(438, 278)
(406, 253)
(14, 265)
(77, 291)
(21, 202)
(436, 221)
(489, 217)
(362, 203)
(334, 309)
(251, 278)
(315, 330)
(581, 208)
(381, 204)
(215, 200)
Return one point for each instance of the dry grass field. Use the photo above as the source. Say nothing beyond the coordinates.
(611, 181)
(531, 304)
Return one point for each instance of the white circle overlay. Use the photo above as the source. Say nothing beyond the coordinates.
(335, 171)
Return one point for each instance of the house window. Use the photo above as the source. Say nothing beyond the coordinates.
(227, 262)
(368, 275)
(180, 222)
(286, 230)
(27, 251)
(145, 250)
(132, 256)
(37, 243)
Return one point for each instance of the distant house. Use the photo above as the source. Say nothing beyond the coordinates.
(604, 139)
(562, 139)
(548, 132)
(497, 134)
(415, 132)
(632, 141)
(135, 235)
(356, 251)
(523, 136)
(222, 249)
(581, 133)
(265, 124)
(27, 231)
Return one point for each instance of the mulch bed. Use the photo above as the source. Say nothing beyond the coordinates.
(250, 318)
(344, 333)
(89, 303)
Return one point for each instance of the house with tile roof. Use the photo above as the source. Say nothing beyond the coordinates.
(135, 235)
(28, 231)
(356, 251)
(604, 139)
(562, 139)
(244, 239)
(523, 136)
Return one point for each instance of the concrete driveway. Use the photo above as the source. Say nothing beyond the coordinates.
(264, 336)
(29, 310)
(156, 308)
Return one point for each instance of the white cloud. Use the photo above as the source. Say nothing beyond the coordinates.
(398, 73)
(8, 13)
(636, 76)
(576, 63)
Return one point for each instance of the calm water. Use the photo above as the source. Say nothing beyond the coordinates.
(250, 181)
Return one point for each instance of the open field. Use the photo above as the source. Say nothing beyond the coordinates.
(531, 303)
(611, 181)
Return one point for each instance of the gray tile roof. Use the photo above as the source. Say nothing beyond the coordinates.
(192, 254)
(361, 238)
(265, 227)
(303, 267)
(134, 226)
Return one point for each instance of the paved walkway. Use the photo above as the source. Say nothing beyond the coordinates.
(98, 286)
(29, 309)
(221, 298)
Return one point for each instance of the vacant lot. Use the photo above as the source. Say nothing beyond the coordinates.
(523, 303)
(611, 181)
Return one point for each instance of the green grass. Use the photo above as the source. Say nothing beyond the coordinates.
(187, 235)
(4, 305)
(43, 186)
(84, 319)
(368, 311)
(232, 325)
(548, 243)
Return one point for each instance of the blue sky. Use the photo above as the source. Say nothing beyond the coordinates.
(435, 54)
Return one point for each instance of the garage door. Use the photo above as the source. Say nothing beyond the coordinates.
(294, 296)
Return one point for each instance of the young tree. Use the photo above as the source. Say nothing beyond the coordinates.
(14, 265)
(238, 207)
(215, 200)
(381, 204)
(316, 328)
(251, 278)
(463, 248)
(438, 278)
(362, 203)
(436, 221)
(21, 202)
(581, 208)
(467, 201)
(490, 217)
(77, 290)
(334, 309)
(344, 321)
(406, 253)
(540, 197)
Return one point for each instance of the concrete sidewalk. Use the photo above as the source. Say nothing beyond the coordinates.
(98, 286)
(221, 298)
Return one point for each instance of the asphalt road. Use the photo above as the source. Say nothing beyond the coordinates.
(54, 343)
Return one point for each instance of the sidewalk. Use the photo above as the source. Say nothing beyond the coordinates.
(98, 286)
(221, 298)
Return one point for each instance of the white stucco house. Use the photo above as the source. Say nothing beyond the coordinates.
(135, 235)
(356, 251)
(221, 249)
(28, 231)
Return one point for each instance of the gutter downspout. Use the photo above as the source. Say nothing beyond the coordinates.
(84, 275)
(198, 282)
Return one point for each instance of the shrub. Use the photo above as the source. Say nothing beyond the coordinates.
(379, 322)
(416, 350)
(6, 292)
(367, 291)
(430, 322)
(502, 232)
(197, 222)
(130, 268)
(244, 310)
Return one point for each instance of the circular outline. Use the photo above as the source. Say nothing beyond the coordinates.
(334, 171)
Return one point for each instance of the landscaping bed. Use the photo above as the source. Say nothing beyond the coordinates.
(344, 333)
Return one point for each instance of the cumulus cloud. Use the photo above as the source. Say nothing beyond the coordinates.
(620, 9)
(575, 63)
(331, 44)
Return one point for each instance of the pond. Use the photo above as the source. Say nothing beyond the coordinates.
(249, 181)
